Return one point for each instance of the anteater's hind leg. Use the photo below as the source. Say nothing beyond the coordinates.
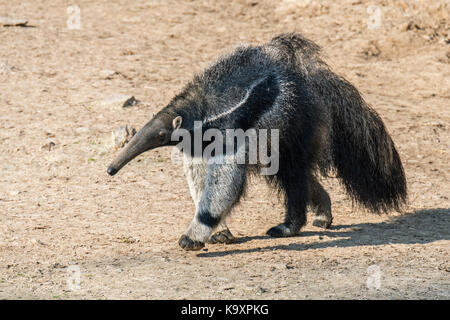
(319, 201)
(296, 193)
(196, 172)
(223, 187)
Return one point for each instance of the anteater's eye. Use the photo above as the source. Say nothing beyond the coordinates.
(162, 135)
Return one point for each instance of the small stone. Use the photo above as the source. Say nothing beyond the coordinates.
(7, 68)
(444, 267)
(58, 265)
(107, 74)
(130, 102)
(37, 241)
(127, 53)
(372, 50)
(406, 26)
(49, 146)
(11, 22)
(119, 101)
(262, 290)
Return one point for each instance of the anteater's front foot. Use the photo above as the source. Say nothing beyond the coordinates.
(190, 245)
(224, 236)
(283, 230)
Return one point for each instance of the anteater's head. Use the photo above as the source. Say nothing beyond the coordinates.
(156, 133)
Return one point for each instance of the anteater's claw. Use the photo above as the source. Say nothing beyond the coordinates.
(224, 236)
(190, 245)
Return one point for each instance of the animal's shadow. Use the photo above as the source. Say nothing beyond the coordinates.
(419, 227)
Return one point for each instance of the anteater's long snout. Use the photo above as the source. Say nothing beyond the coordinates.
(132, 149)
(145, 139)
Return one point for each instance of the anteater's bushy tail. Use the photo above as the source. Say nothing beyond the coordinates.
(362, 151)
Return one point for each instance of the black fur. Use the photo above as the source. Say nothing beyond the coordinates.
(205, 218)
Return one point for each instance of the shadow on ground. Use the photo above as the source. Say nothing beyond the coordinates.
(419, 227)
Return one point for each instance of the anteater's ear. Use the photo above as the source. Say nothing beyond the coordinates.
(176, 123)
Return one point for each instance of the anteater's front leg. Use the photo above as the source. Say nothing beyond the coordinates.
(223, 188)
(196, 172)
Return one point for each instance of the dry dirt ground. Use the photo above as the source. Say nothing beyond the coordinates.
(63, 219)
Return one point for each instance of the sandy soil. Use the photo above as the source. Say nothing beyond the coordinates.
(62, 218)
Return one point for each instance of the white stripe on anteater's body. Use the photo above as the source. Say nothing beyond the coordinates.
(223, 187)
(238, 105)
